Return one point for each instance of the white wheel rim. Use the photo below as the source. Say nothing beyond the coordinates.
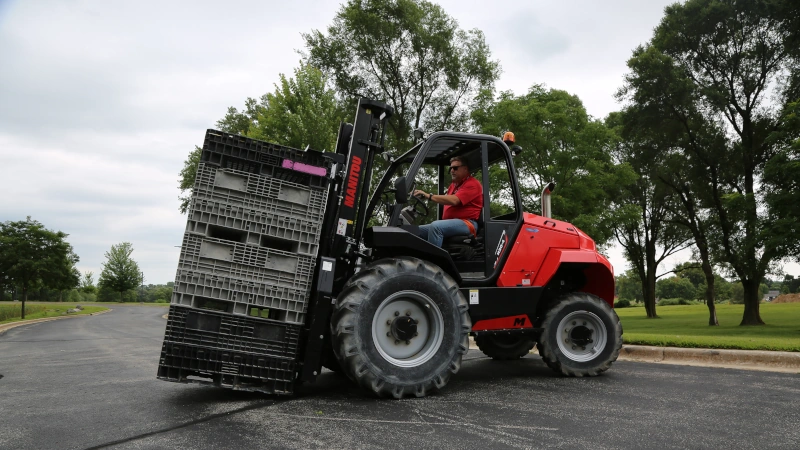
(416, 350)
(581, 336)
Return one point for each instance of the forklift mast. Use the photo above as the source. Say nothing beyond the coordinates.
(345, 220)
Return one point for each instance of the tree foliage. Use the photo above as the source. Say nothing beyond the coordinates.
(302, 111)
(32, 256)
(87, 283)
(120, 273)
(629, 287)
(723, 66)
(560, 143)
(412, 55)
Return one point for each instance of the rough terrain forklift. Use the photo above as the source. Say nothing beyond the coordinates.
(394, 313)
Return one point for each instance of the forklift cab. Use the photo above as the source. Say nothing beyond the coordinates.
(476, 260)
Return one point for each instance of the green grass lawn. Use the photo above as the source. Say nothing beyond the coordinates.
(11, 311)
(687, 326)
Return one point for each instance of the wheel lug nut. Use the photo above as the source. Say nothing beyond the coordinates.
(574, 347)
(389, 322)
(408, 342)
(584, 323)
(408, 313)
(388, 333)
(396, 313)
(416, 334)
(574, 323)
(566, 341)
(396, 341)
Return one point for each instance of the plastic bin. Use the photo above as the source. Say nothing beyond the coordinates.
(247, 262)
(205, 291)
(310, 168)
(270, 229)
(273, 196)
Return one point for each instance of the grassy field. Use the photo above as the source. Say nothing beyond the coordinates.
(687, 326)
(11, 311)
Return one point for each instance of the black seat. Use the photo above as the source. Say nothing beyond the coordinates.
(466, 247)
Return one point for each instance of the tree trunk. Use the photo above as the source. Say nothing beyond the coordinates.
(752, 315)
(712, 309)
(650, 296)
(24, 298)
(651, 266)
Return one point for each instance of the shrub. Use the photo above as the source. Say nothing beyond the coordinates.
(623, 303)
(678, 301)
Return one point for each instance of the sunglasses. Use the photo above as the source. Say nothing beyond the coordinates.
(452, 168)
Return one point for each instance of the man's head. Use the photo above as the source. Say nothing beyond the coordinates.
(459, 169)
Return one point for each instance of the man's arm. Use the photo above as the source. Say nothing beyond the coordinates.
(449, 200)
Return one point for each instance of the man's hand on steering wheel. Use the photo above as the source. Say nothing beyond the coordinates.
(422, 195)
(420, 207)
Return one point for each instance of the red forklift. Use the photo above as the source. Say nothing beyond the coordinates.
(394, 313)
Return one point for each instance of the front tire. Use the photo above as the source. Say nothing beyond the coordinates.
(581, 336)
(400, 328)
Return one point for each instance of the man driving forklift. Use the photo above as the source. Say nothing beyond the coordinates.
(463, 204)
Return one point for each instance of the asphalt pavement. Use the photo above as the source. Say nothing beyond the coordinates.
(89, 382)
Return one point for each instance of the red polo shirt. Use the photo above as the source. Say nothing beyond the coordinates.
(470, 192)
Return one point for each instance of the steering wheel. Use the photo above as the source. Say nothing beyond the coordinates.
(420, 207)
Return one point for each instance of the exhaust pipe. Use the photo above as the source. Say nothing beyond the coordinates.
(546, 211)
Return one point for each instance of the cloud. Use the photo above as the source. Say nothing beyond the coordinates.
(532, 40)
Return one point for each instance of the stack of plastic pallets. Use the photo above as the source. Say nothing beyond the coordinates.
(246, 265)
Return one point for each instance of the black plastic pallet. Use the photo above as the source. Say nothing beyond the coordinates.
(224, 368)
(243, 334)
(263, 158)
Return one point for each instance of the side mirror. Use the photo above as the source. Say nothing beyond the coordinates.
(419, 133)
(516, 150)
(401, 190)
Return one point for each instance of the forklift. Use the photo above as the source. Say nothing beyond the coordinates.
(394, 313)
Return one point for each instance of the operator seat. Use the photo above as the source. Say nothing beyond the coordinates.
(466, 247)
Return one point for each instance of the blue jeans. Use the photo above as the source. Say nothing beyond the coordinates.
(436, 231)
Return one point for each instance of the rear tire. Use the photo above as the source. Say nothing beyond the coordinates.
(505, 347)
(581, 336)
(400, 328)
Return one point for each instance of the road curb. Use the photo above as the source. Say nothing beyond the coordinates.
(770, 361)
(741, 359)
(7, 326)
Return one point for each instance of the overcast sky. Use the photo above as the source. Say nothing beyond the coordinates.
(101, 101)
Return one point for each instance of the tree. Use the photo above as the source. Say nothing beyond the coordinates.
(646, 231)
(675, 287)
(67, 278)
(32, 256)
(629, 286)
(561, 143)
(719, 61)
(120, 272)
(87, 283)
(691, 271)
(412, 55)
(303, 111)
(791, 284)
